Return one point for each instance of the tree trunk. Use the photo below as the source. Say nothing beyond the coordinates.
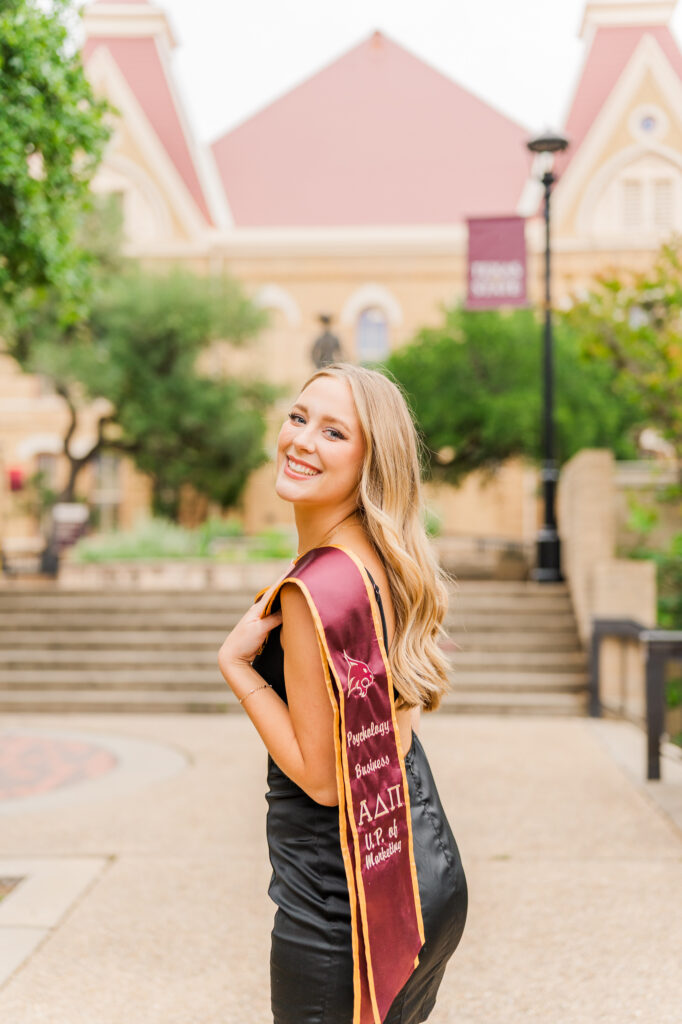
(75, 466)
(165, 500)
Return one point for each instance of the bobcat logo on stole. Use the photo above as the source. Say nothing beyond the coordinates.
(360, 676)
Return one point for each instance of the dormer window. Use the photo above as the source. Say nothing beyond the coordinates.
(663, 203)
(633, 207)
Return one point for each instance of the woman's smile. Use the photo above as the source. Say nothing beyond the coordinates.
(298, 470)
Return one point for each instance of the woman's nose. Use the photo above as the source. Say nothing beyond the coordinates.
(304, 438)
(305, 441)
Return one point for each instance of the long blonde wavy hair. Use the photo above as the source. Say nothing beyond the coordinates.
(391, 505)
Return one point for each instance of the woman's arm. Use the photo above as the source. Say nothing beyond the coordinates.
(298, 737)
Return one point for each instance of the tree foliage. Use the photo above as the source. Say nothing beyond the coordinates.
(633, 325)
(52, 135)
(475, 385)
(139, 353)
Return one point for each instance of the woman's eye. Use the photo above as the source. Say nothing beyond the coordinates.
(296, 417)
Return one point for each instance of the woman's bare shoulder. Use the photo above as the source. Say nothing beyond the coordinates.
(297, 619)
(372, 561)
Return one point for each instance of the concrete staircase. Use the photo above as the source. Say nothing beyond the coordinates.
(514, 648)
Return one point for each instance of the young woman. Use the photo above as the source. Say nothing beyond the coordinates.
(333, 665)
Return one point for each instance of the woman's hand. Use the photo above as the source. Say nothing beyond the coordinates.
(246, 639)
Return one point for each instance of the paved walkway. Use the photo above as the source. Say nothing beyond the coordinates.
(140, 844)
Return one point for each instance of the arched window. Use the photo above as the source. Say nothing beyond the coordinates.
(371, 339)
(46, 466)
(106, 494)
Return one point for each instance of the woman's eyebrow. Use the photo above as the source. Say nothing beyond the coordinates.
(328, 419)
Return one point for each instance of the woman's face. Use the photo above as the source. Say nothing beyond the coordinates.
(320, 447)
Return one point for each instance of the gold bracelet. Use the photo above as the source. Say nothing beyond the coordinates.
(255, 689)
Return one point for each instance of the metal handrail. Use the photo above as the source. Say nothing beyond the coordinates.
(662, 645)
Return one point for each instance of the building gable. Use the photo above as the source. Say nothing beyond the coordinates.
(376, 138)
(127, 57)
(621, 176)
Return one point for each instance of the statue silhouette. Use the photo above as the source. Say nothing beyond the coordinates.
(327, 348)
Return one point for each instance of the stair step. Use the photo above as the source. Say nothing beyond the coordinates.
(559, 640)
(475, 702)
(206, 654)
(517, 588)
(181, 702)
(122, 685)
(125, 620)
(531, 661)
(98, 639)
(519, 682)
(131, 618)
(510, 621)
(160, 701)
(78, 658)
(110, 621)
(118, 600)
(189, 677)
(212, 639)
(535, 602)
(233, 601)
(102, 676)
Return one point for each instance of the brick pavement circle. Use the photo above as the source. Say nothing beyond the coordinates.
(52, 765)
(31, 765)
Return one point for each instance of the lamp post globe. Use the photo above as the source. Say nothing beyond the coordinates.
(547, 142)
(548, 560)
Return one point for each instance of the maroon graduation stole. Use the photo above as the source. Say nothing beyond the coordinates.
(374, 805)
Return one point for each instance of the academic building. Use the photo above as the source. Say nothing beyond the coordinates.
(348, 197)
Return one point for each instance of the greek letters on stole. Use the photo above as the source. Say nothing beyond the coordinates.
(374, 807)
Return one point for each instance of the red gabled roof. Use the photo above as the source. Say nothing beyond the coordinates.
(378, 137)
(611, 49)
(140, 62)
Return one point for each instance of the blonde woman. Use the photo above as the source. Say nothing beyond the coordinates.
(333, 665)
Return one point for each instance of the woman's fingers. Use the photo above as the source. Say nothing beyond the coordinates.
(270, 621)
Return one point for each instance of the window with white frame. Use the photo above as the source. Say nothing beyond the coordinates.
(106, 496)
(663, 203)
(633, 204)
(371, 336)
(46, 466)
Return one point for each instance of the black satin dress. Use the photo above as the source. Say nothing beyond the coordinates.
(311, 963)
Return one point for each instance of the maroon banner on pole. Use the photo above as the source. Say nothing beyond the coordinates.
(497, 262)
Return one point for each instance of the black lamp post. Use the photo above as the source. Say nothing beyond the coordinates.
(548, 568)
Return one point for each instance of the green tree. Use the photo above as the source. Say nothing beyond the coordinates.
(633, 325)
(52, 135)
(139, 352)
(475, 388)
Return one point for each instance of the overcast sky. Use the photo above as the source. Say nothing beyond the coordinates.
(236, 56)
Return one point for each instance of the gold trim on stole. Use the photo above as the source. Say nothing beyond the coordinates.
(343, 780)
